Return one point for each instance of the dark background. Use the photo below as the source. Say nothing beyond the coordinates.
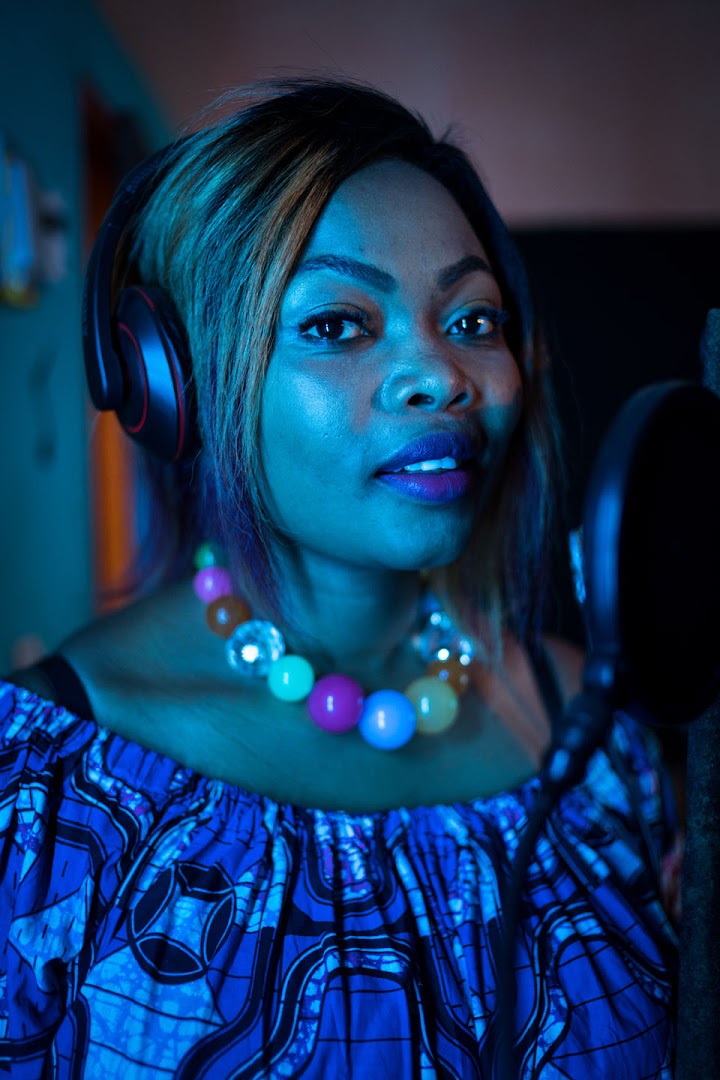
(621, 308)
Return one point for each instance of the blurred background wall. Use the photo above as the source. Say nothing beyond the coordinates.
(53, 58)
(573, 109)
(593, 123)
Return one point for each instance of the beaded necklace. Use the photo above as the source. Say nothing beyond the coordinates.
(386, 719)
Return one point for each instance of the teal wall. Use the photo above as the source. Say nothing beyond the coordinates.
(48, 49)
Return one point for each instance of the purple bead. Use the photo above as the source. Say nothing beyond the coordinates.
(335, 703)
(388, 720)
(212, 582)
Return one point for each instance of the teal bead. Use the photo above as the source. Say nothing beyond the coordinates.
(208, 555)
(291, 678)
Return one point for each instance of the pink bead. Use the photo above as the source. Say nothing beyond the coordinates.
(212, 582)
(335, 703)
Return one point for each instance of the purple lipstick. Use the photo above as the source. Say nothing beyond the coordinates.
(435, 468)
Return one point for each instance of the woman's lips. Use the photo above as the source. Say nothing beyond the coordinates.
(436, 467)
(432, 447)
(432, 487)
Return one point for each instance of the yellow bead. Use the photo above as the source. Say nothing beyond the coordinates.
(436, 704)
(291, 678)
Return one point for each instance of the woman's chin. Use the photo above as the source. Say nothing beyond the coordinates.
(428, 555)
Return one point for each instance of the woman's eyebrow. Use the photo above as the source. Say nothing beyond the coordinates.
(368, 274)
(468, 265)
(360, 271)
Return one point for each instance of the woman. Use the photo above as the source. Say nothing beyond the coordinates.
(202, 876)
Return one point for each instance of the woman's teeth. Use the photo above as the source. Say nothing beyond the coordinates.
(434, 465)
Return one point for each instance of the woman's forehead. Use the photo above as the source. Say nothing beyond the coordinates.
(393, 209)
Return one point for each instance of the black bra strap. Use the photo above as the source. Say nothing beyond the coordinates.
(68, 690)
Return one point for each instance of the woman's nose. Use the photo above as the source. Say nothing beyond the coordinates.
(427, 379)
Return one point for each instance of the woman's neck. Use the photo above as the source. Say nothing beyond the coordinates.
(353, 620)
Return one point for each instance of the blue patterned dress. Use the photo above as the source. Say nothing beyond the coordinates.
(155, 923)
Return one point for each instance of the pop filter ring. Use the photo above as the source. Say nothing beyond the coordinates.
(612, 536)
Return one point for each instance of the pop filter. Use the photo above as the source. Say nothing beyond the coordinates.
(651, 545)
(651, 567)
(652, 609)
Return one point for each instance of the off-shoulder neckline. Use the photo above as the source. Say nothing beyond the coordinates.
(151, 764)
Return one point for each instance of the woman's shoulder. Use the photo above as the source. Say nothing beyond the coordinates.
(149, 635)
(567, 661)
(119, 669)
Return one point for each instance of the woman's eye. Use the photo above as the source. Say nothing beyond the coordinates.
(334, 327)
(483, 322)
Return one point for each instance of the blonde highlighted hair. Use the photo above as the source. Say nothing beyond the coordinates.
(229, 214)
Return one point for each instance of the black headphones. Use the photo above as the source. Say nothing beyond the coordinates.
(136, 356)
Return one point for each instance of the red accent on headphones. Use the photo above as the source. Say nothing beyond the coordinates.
(135, 428)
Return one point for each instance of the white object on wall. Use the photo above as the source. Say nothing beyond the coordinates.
(33, 233)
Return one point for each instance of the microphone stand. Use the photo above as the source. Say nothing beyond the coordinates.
(698, 1053)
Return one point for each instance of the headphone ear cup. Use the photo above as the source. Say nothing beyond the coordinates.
(158, 408)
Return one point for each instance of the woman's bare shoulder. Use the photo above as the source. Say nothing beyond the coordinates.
(568, 661)
(127, 659)
(139, 637)
(150, 668)
(111, 643)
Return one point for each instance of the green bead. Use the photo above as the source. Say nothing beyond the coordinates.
(436, 704)
(208, 554)
(291, 678)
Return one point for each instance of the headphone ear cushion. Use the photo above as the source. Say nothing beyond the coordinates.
(157, 409)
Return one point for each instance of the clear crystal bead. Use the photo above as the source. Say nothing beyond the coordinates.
(441, 640)
(253, 647)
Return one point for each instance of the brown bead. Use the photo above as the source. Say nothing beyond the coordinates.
(452, 671)
(225, 613)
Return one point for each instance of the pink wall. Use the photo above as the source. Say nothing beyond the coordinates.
(573, 110)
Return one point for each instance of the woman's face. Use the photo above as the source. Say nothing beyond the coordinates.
(391, 392)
